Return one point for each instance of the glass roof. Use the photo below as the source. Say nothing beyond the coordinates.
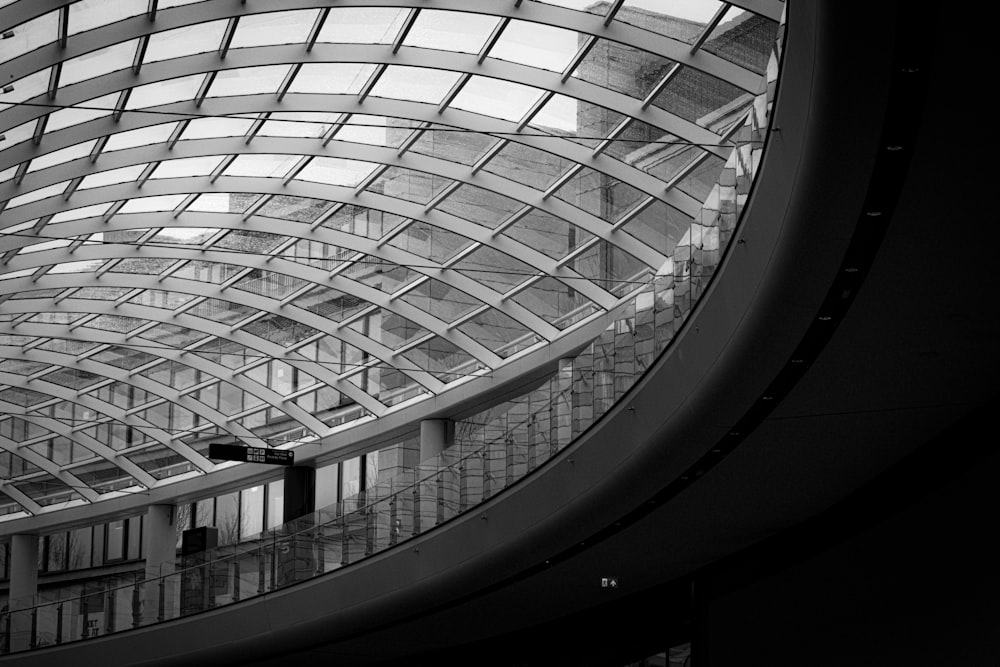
(263, 222)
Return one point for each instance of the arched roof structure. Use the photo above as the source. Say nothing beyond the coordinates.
(269, 222)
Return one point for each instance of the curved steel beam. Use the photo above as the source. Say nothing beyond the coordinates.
(559, 17)
(268, 396)
(524, 194)
(246, 105)
(102, 451)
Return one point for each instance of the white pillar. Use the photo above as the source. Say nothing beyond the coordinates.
(436, 435)
(161, 555)
(23, 588)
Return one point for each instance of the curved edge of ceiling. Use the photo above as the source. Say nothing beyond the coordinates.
(795, 232)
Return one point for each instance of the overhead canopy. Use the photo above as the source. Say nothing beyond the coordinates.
(260, 222)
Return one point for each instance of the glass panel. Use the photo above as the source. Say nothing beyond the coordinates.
(89, 110)
(415, 186)
(483, 207)
(494, 269)
(336, 171)
(251, 511)
(680, 20)
(362, 25)
(97, 63)
(142, 136)
(89, 14)
(451, 31)
(527, 165)
(210, 128)
(188, 166)
(555, 301)
(185, 41)
(417, 84)
(60, 156)
(537, 45)
(164, 92)
(331, 78)
(362, 221)
(551, 235)
(222, 202)
(700, 97)
(499, 332)
(149, 204)
(612, 268)
(248, 81)
(296, 209)
(388, 328)
(297, 124)
(622, 68)
(452, 144)
(39, 194)
(434, 243)
(374, 130)
(30, 35)
(438, 356)
(261, 165)
(599, 194)
(441, 300)
(743, 38)
(289, 27)
(493, 97)
(111, 177)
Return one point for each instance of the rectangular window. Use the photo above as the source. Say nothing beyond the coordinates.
(134, 533)
(115, 549)
(80, 548)
(227, 518)
(275, 503)
(56, 552)
(251, 511)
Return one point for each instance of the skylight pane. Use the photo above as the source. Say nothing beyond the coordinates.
(493, 97)
(536, 45)
(248, 81)
(165, 92)
(97, 63)
(362, 25)
(30, 35)
(36, 195)
(297, 124)
(451, 31)
(86, 111)
(93, 210)
(142, 136)
(289, 27)
(150, 204)
(60, 156)
(189, 166)
(185, 41)
(417, 84)
(112, 177)
(261, 165)
(211, 128)
(89, 14)
(336, 171)
(331, 78)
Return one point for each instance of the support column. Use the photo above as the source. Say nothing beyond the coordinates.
(294, 555)
(23, 588)
(436, 435)
(160, 535)
(300, 492)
